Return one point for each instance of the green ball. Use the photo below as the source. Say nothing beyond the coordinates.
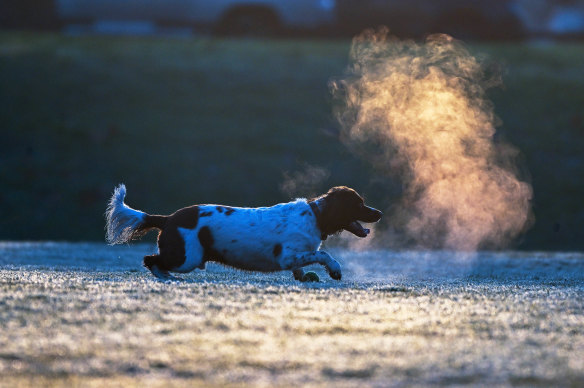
(310, 277)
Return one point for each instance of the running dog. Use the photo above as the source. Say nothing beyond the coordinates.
(285, 236)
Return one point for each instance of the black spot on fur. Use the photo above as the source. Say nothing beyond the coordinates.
(277, 250)
(206, 238)
(304, 213)
(207, 242)
(187, 217)
(170, 241)
(252, 224)
(205, 214)
(228, 210)
(233, 241)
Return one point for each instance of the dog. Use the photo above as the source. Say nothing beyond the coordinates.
(286, 236)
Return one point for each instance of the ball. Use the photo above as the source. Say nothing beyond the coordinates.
(310, 276)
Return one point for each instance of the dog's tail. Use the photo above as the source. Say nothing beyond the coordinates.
(124, 223)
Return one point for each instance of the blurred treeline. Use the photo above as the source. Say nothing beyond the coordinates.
(466, 19)
(204, 120)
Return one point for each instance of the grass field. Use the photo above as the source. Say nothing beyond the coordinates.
(89, 315)
(198, 120)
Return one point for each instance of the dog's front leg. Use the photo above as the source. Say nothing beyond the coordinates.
(299, 260)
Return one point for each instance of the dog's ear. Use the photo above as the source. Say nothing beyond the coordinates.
(342, 208)
(338, 208)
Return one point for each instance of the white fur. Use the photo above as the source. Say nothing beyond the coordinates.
(247, 237)
(121, 220)
(193, 251)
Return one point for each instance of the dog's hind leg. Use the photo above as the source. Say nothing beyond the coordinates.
(299, 260)
(152, 263)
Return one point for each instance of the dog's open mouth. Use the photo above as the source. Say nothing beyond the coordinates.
(356, 228)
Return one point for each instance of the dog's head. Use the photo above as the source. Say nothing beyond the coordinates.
(341, 208)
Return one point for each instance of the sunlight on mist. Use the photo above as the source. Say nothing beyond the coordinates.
(420, 111)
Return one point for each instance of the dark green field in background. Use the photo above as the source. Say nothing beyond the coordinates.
(201, 120)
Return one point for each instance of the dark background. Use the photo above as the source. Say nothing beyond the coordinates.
(201, 117)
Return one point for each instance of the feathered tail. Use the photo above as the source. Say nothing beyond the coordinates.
(124, 223)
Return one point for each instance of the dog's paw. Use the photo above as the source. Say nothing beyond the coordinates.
(334, 270)
(163, 276)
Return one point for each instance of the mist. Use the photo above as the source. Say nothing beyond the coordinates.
(420, 114)
(304, 182)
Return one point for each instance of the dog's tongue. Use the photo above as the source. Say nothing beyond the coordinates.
(356, 228)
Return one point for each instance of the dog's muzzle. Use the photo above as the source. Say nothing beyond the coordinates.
(367, 214)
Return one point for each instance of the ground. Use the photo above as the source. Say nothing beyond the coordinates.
(88, 314)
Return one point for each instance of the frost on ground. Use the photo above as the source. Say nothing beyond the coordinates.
(88, 314)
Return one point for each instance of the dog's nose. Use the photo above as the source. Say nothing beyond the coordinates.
(378, 214)
(373, 215)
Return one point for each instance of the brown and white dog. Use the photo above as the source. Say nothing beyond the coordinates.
(286, 236)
